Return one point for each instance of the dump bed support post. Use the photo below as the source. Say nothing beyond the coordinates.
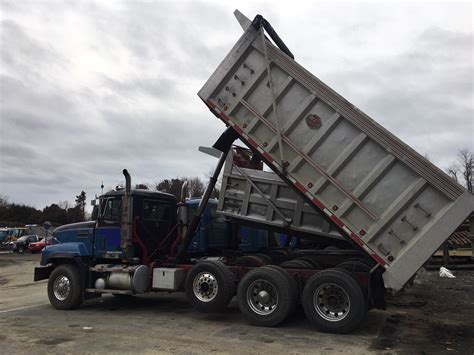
(224, 143)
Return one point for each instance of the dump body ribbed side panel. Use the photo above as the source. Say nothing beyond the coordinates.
(376, 189)
(262, 198)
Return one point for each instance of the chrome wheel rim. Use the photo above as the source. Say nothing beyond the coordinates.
(331, 302)
(262, 297)
(61, 287)
(205, 286)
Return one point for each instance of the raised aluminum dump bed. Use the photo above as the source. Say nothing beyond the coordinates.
(261, 197)
(382, 194)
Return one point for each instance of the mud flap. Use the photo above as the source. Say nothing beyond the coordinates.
(42, 272)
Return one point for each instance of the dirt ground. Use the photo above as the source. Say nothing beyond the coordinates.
(434, 316)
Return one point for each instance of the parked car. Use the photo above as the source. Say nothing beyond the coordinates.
(36, 247)
(3, 234)
(22, 243)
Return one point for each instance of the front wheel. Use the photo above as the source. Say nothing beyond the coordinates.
(334, 301)
(64, 287)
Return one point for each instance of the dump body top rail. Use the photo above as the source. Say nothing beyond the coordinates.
(261, 197)
(383, 195)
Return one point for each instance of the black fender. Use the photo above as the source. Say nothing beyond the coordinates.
(59, 258)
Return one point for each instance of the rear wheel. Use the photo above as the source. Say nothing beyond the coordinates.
(267, 260)
(210, 286)
(64, 287)
(266, 296)
(297, 264)
(334, 301)
(311, 260)
(294, 284)
(251, 260)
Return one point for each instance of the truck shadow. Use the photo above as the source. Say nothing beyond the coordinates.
(176, 306)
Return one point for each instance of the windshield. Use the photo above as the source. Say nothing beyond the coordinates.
(22, 239)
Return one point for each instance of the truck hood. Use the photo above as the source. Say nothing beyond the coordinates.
(86, 224)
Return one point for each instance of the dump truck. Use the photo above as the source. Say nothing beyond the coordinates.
(348, 211)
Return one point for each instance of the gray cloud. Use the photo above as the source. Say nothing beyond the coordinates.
(424, 95)
(88, 89)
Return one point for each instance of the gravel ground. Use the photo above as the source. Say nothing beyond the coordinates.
(433, 316)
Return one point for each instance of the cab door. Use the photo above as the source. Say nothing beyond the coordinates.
(107, 235)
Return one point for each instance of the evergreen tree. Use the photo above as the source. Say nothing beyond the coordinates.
(81, 204)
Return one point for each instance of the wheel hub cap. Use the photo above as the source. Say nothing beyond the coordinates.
(331, 302)
(61, 287)
(205, 287)
(262, 297)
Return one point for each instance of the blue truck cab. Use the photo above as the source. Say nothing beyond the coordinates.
(213, 230)
(100, 241)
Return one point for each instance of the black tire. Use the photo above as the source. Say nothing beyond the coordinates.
(311, 260)
(339, 286)
(363, 287)
(354, 266)
(20, 250)
(279, 291)
(296, 264)
(361, 260)
(294, 284)
(210, 286)
(267, 260)
(65, 297)
(250, 260)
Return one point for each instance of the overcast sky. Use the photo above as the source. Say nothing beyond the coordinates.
(91, 88)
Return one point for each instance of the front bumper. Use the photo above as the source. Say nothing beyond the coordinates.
(42, 272)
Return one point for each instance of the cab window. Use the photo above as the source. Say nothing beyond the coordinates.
(155, 211)
(112, 209)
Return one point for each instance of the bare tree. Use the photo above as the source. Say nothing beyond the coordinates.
(195, 187)
(217, 188)
(172, 186)
(3, 200)
(453, 171)
(463, 167)
(466, 159)
(64, 204)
